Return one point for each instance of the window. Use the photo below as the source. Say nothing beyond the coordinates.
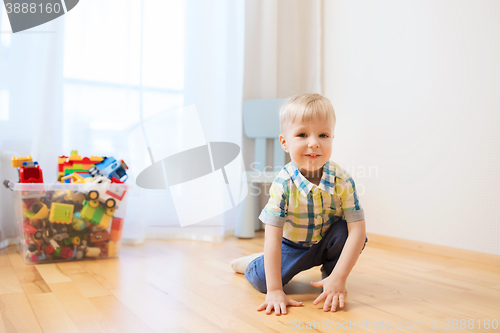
(123, 62)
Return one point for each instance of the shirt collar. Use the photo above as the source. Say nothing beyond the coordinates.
(326, 183)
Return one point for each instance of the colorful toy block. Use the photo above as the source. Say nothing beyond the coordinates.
(112, 249)
(96, 215)
(76, 164)
(116, 229)
(17, 162)
(61, 213)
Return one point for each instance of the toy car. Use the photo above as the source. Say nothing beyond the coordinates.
(104, 190)
(30, 172)
(110, 167)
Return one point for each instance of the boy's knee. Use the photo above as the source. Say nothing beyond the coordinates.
(336, 240)
(258, 283)
(256, 275)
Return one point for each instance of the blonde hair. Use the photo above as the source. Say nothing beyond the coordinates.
(308, 107)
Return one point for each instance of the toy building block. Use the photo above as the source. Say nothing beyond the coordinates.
(66, 252)
(116, 229)
(73, 178)
(77, 222)
(17, 162)
(61, 213)
(92, 252)
(104, 248)
(73, 256)
(99, 236)
(76, 240)
(74, 156)
(49, 249)
(30, 172)
(39, 211)
(76, 164)
(115, 180)
(112, 249)
(105, 222)
(56, 247)
(96, 215)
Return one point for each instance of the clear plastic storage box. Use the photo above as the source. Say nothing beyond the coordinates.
(65, 222)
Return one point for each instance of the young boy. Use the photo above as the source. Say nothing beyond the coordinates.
(313, 216)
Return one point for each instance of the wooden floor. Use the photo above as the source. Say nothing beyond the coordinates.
(188, 286)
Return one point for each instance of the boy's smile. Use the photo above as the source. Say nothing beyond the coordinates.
(310, 146)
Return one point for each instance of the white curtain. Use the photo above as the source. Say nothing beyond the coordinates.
(31, 97)
(85, 80)
(213, 81)
(283, 56)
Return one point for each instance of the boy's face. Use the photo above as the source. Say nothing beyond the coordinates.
(309, 144)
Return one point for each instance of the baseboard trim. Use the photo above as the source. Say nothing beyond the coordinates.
(8, 242)
(187, 236)
(446, 251)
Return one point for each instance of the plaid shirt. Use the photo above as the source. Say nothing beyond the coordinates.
(304, 210)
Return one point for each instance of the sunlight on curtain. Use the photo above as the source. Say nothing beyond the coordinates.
(105, 70)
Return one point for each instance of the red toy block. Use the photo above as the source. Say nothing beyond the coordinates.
(104, 248)
(117, 224)
(115, 235)
(116, 180)
(66, 252)
(116, 229)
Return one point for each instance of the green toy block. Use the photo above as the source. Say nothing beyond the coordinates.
(61, 213)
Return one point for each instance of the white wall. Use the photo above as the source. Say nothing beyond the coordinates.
(416, 89)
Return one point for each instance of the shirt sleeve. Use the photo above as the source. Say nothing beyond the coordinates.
(350, 203)
(276, 209)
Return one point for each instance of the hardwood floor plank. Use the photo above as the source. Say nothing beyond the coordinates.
(50, 314)
(9, 283)
(31, 280)
(16, 260)
(51, 273)
(17, 314)
(116, 317)
(71, 267)
(88, 285)
(159, 310)
(199, 304)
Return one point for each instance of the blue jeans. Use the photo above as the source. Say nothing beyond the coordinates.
(297, 258)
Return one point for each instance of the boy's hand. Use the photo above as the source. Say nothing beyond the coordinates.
(333, 292)
(278, 301)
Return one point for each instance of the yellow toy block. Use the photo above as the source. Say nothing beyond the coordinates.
(17, 162)
(105, 222)
(112, 249)
(41, 214)
(75, 156)
(61, 213)
(75, 178)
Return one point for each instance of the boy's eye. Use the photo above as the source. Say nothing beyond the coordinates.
(324, 135)
(301, 135)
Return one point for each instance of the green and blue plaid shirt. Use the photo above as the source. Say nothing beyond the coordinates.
(304, 210)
